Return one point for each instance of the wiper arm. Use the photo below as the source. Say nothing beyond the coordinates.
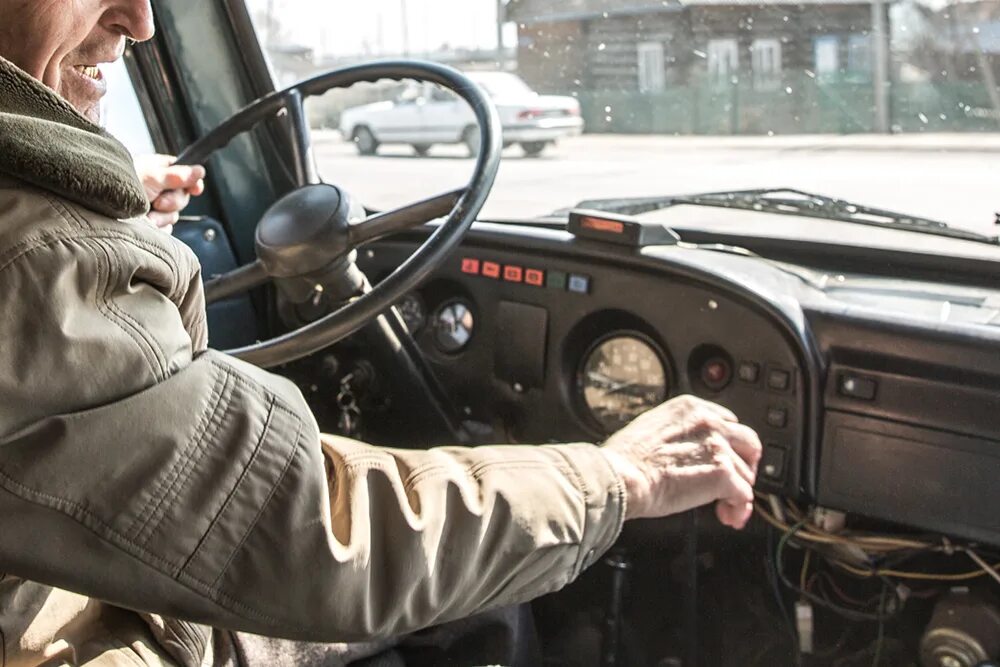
(788, 201)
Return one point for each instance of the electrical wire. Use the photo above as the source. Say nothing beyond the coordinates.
(902, 574)
(805, 570)
(878, 545)
(866, 542)
(845, 612)
(881, 629)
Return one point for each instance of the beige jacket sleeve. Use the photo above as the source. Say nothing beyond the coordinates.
(139, 468)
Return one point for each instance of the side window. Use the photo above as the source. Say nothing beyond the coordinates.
(766, 63)
(123, 116)
(652, 76)
(723, 60)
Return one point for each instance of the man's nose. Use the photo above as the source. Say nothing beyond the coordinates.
(131, 18)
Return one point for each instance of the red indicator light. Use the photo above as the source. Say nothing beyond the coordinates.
(534, 277)
(601, 225)
(491, 269)
(470, 266)
(513, 274)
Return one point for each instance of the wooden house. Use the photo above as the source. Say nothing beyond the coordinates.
(647, 45)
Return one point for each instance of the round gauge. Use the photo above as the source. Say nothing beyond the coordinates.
(453, 326)
(622, 376)
(414, 313)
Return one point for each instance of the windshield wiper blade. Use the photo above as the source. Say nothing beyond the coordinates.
(788, 201)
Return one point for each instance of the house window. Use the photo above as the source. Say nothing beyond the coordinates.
(723, 60)
(827, 53)
(859, 57)
(652, 76)
(766, 63)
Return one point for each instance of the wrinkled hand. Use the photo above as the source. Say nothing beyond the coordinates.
(168, 187)
(685, 454)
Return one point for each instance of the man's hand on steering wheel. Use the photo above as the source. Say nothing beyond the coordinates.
(169, 187)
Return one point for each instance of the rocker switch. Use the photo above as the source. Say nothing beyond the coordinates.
(857, 387)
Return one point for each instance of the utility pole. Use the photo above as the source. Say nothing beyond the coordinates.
(501, 19)
(270, 22)
(405, 18)
(880, 73)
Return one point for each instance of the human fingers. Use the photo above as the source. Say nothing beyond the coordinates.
(164, 221)
(735, 495)
(734, 516)
(722, 448)
(171, 201)
(182, 177)
(745, 442)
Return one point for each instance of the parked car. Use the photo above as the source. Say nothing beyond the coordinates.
(425, 115)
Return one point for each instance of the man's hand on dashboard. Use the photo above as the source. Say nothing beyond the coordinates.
(169, 187)
(684, 454)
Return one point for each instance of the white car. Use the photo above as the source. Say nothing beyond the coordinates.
(425, 115)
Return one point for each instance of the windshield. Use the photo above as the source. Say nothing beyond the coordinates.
(893, 105)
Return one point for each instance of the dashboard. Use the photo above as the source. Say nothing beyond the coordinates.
(867, 397)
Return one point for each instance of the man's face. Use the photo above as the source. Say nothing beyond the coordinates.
(62, 43)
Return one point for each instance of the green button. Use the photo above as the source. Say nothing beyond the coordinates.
(556, 280)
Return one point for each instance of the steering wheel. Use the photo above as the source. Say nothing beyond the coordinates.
(308, 238)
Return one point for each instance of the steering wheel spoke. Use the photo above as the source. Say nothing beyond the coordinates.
(310, 231)
(302, 153)
(381, 225)
(237, 281)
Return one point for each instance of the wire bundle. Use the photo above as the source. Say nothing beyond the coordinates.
(863, 555)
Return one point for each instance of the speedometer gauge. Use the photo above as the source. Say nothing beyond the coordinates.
(621, 377)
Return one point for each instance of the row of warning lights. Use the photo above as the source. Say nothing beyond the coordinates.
(512, 273)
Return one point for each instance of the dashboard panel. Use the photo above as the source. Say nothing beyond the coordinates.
(872, 395)
(559, 349)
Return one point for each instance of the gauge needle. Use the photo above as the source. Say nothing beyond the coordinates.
(611, 386)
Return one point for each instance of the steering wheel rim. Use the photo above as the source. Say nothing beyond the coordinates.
(459, 207)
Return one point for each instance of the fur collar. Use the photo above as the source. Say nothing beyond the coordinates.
(47, 143)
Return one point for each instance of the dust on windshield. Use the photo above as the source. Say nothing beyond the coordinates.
(890, 104)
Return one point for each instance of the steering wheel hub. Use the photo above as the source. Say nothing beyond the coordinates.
(306, 230)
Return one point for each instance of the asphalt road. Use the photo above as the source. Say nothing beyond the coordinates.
(953, 178)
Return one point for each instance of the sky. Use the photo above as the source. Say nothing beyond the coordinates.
(352, 27)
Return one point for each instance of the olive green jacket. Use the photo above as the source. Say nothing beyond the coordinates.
(141, 469)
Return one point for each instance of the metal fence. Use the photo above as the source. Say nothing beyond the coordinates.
(800, 105)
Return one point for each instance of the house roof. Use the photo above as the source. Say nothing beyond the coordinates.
(539, 11)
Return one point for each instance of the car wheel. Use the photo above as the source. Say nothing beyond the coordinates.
(365, 141)
(472, 140)
(422, 149)
(533, 148)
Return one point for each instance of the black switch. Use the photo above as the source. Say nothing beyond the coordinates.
(772, 462)
(748, 372)
(777, 417)
(778, 379)
(857, 386)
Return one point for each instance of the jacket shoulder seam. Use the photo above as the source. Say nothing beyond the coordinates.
(114, 314)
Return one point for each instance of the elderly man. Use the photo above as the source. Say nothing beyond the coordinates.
(141, 471)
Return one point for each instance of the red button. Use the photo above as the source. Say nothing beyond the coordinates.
(513, 274)
(491, 269)
(470, 266)
(534, 277)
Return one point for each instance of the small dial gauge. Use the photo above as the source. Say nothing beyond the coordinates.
(414, 313)
(622, 376)
(453, 326)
